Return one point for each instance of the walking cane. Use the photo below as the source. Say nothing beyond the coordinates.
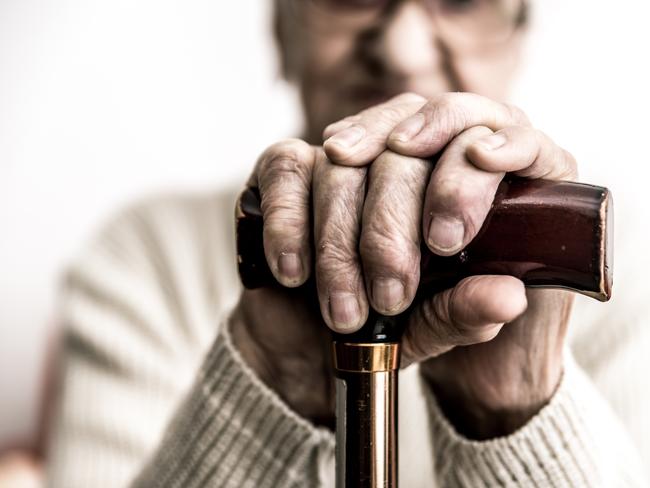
(549, 234)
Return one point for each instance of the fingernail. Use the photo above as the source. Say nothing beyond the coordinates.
(348, 137)
(344, 310)
(492, 142)
(446, 234)
(387, 293)
(290, 266)
(408, 129)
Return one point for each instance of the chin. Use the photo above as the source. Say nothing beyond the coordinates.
(334, 107)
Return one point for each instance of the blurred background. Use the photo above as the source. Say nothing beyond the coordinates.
(104, 102)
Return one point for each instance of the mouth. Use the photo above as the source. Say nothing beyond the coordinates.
(366, 95)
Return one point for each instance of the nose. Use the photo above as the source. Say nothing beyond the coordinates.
(408, 42)
(406, 51)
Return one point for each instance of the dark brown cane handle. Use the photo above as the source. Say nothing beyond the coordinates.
(549, 234)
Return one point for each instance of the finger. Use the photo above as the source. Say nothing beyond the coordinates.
(472, 312)
(341, 125)
(390, 235)
(338, 203)
(283, 175)
(432, 127)
(359, 139)
(523, 151)
(458, 198)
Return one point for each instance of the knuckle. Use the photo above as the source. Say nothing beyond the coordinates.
(444, 311)
(448, 114)
(285, 171)
(437, 311)
(467, 202)
(390, 160)
(476, 335)
(336, 237)
(445, 99)
(470, 135)
(413, 344)
(339, 194)
(408, 97)
(381, 248)
(277, 240)
(338, 179)
(385, 161)
(391, 114)
(289, 145)
(336, 260)
(430, 327)
(448, 102)
(282, 201)
(286, 164)
(284, 205)
(436, 326)
(466, 335)
(285, 224)
(332, 258)
(290, 156)
(350, 119)
(442, 105)
(516, 114)
(353, 118)
(453, 194)
(571, 164)
(341, 124)
(288, 213)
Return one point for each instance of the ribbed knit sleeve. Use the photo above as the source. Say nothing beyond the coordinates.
(152, 389)
(574, 441)
(140, 307)
(232, 431)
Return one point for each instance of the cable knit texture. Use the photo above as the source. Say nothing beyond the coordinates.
(153, 393)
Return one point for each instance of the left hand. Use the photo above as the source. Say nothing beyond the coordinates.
(491, 388)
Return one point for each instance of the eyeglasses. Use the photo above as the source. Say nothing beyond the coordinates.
(461, 24)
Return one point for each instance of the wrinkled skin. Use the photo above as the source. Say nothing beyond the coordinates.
(363, 189)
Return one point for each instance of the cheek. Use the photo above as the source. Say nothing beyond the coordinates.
(326, 57)
(327, 65)
(489, 75)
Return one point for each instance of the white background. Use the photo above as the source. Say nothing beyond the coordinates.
(102, 101)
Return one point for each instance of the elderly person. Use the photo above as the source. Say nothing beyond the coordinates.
(164, 383)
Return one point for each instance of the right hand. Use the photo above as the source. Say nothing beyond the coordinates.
(362, 238)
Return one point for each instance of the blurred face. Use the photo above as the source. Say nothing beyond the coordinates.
(349, 54)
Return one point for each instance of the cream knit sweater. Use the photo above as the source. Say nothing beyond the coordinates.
(154, 394)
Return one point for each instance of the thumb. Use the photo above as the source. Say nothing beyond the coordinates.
(472, 312)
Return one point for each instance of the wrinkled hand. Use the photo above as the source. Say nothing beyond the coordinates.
(367, 221)
(494, 386)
